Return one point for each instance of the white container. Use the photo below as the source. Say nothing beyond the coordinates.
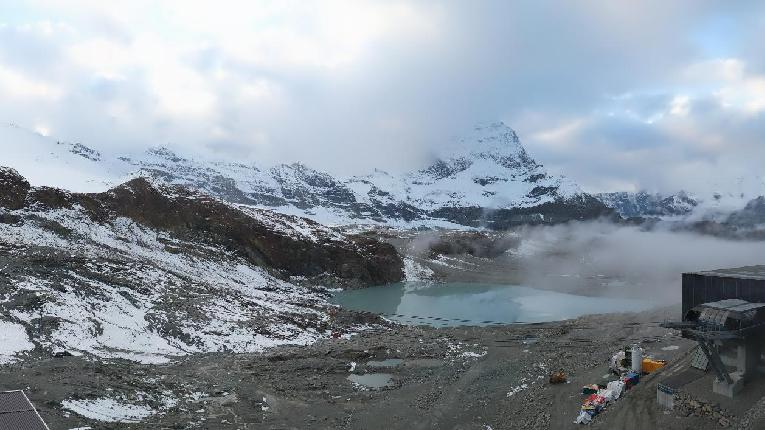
(637, 359)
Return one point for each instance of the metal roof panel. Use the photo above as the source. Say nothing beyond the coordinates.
(23, 420)
(13, 401)
(18, 413)
(747, 272)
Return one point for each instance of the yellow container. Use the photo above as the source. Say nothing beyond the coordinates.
(650, 366)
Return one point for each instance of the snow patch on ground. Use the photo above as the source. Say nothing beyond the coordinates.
(471, 354)
(109, 410)
(517, 389)
(122, 409)
(13, 340)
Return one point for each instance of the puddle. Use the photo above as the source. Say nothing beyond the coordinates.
(389, 362)
(472, 304)
(373, 381)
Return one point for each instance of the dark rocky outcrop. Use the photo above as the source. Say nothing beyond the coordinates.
(50, 198)
(355, 262)
(13, 189)
(477, 244)
(584, 207)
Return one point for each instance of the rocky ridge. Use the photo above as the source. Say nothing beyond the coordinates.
(147, 272)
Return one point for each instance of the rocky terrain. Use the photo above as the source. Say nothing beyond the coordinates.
(148, 272)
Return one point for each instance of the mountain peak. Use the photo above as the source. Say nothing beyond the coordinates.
(494, 140)
(494, 126)
(163, 152)
(495, 132)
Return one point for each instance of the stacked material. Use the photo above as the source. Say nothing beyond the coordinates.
(590, 389)
(629, 364)
(631, 379)
(596, 402)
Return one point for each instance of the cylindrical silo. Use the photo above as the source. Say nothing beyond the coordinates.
(637, 359)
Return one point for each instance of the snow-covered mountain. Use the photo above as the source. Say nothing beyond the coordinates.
(717, 206)
(485, 179)
(148, 272)
(644, 204)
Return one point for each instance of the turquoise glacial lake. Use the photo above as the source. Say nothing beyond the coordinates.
(457, 304)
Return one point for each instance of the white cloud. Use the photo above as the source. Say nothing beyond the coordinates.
(351, 85)
(16, 85)
(680, 105)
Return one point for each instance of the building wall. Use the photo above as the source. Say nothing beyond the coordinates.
(699, 288)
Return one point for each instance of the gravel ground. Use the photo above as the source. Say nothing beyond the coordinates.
(460, 378)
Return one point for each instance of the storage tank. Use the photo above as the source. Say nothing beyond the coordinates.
(637, 359)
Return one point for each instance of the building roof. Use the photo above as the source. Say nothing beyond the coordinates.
(17, 412)
(734, 305)
(747, 272)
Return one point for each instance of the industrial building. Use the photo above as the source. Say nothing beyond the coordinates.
(724, 311)
(744, 283)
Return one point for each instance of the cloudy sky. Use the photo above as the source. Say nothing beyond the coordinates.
(618, 95)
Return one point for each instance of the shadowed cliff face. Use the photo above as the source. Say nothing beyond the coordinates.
(287, 245)
(13, 189)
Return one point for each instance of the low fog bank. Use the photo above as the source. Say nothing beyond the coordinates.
(602, 258)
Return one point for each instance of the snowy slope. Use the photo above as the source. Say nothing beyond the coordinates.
(45, 161)
(115, 295)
